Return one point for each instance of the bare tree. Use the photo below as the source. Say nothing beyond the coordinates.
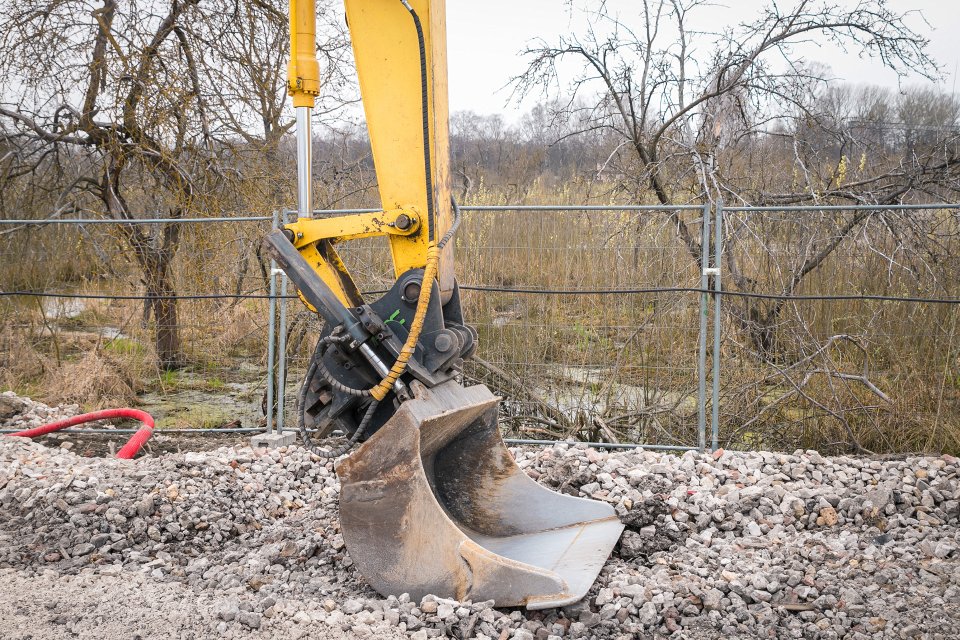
(739, 115)
(160, 108)
(248, 40)
(114, 90)
(686, 104)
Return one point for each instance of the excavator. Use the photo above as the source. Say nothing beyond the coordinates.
(432, 501)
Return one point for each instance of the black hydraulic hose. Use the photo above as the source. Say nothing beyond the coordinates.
(328, 454)
(317, 362)
(302, 399)
(425, 109)
(321, 350)
(457, 218)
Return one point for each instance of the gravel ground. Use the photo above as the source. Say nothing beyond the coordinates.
(236, 543)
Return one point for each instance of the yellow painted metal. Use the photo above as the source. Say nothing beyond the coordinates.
(325, 260)
(315, 238)
(303, 71)
(387, 56)
(352, 227)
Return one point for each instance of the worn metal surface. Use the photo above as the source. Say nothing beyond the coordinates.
(435, 503)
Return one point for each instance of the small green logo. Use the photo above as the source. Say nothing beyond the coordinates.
(393, 318)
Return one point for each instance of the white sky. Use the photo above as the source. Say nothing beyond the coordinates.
(484, 40)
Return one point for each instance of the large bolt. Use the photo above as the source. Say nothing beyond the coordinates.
(403, 222)
(411, 291)
(443, 342)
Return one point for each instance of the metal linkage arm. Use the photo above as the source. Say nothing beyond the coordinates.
(400, 51)
(312, 287)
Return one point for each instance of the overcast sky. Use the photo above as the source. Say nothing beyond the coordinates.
(484, 40)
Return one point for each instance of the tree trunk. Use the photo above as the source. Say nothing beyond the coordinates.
(156, 263)
(167, 329)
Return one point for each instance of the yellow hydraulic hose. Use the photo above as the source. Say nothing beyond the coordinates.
(433, 250)
(303, 84)
(380, 391)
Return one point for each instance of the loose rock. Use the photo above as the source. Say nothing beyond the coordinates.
(730, 545)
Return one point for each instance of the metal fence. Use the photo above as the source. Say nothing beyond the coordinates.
(608, 324)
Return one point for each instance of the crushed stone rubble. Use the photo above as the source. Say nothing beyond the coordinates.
(20, 412)
(730, 544)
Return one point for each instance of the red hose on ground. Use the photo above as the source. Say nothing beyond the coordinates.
(128, 450)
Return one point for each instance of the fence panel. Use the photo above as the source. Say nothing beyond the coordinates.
(612, 367)
(89, 335)
(832, 364)
(837, 326)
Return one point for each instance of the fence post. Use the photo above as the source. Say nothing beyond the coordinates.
(282, 364)
(718, 262)
(704, 312)
(272, 332)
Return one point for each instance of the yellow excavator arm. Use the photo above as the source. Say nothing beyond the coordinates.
(402, 122)
(431, 500)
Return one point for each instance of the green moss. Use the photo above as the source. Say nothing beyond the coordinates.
(196, 417)
(169, 379)
(124, 347)
(215, 384)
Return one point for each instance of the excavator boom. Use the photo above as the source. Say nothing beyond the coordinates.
(432, 501)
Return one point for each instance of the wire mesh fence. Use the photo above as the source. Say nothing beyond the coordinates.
(87, 332)
(597, 323)
(858, 351)
(599, 366)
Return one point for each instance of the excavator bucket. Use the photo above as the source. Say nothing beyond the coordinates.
(433, 503)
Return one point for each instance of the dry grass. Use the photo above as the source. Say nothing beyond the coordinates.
(21, 361)
(69, 366)
(240, 330)
(94, 381)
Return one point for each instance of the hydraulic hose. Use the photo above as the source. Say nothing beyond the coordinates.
(128, 450)
(380, 391)
(425, 111)
(336, 452)
(416, 326)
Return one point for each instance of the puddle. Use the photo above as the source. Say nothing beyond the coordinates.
(112, 333)
(63, 308)
(590, 390)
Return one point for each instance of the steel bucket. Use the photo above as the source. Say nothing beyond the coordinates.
(433, 503)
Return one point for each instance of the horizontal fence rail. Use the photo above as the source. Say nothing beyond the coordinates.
(541, 292)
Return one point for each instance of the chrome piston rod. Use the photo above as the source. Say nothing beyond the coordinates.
(304, 163)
